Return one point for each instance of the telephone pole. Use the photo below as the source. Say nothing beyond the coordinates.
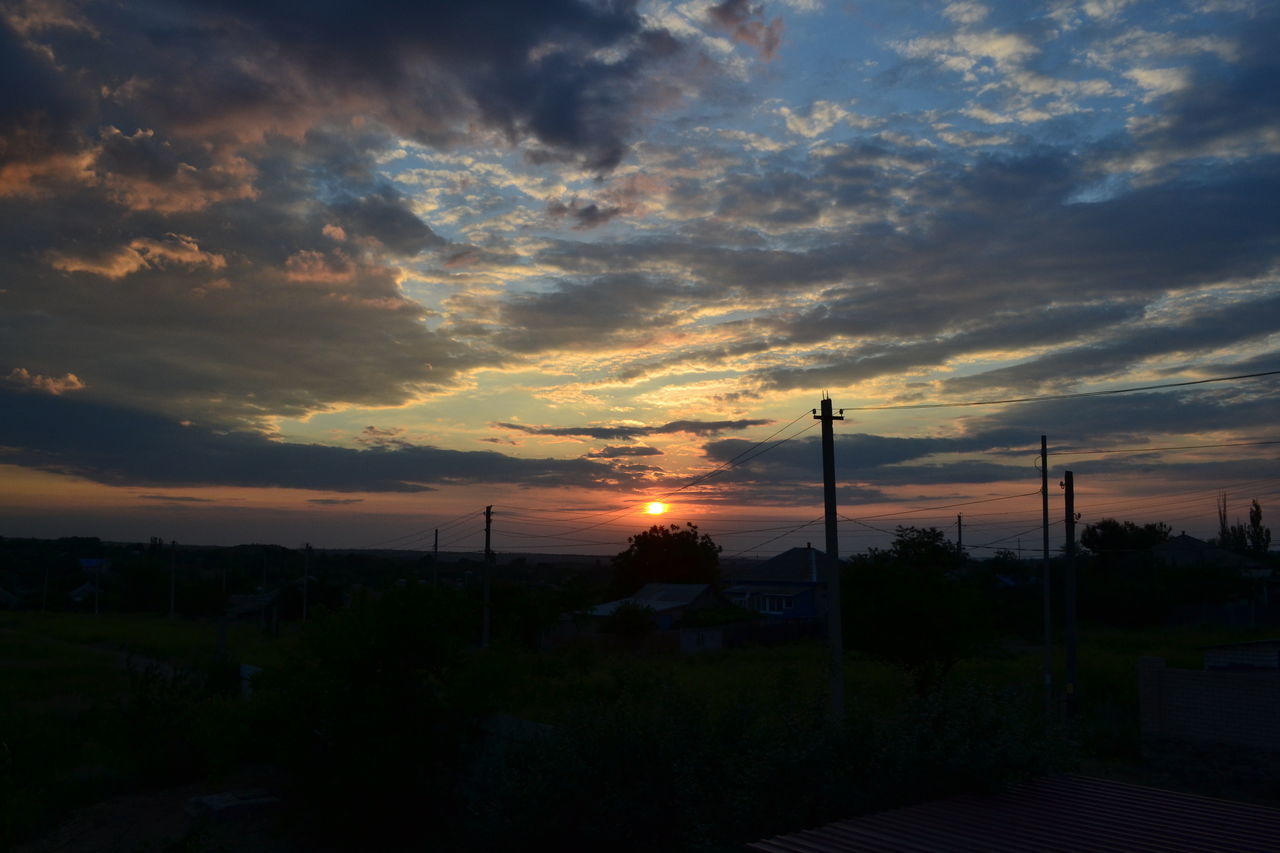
(488, 570)
(960, 533)
(835, 632)
(1070, 593)
(306, 576)
(1046, 581)
(435, 560)
(173, 578)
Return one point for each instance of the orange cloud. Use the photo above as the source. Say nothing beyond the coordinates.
(141, 253)
(24, 378)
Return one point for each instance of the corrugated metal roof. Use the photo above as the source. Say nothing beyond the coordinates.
(657, 597)
(1060, 813)
(795, 565)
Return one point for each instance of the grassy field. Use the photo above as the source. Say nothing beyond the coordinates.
(71, 721)
(173, 641)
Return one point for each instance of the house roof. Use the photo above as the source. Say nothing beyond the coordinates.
(1188, 550)
(1059, 813)
(657, 597)
(792, 566)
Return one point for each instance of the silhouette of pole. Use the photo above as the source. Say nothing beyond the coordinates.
(173, 578)
(435, 559)
(1046, 581)
(960, 533)
(306, 576)
(835, 632)
(1070, 593)
(488, 570)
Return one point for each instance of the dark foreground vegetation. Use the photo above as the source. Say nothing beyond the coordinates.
(383, 724)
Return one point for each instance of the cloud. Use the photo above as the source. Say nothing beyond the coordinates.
(23, 378)
(745, 23)
(141, 253)
(177, 499)
(619, 451)
(585, 216)
(120, 447)
(335, 501)
(627, 432)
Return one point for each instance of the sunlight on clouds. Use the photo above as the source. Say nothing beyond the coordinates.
(1157, 82)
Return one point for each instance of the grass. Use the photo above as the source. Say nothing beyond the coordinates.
(175, 641)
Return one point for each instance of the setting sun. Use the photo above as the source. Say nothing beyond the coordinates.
(656, 508)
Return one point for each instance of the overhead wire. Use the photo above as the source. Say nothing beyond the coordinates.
(1046, 397)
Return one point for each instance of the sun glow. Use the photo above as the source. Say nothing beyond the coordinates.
(656, 508)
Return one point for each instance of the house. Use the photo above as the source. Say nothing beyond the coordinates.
(1183, 550)
(791, 585)
(668, 601)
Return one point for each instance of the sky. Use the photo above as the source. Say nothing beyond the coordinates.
(348, 273)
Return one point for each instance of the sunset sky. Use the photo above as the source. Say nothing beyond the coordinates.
(348, 275)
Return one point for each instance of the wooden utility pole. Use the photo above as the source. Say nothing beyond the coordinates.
(435, 560)
(173, 578)
(306, 577)
(1070, 593)
(1046, 581)
(960, 533)
(835, 632)
(488, 571)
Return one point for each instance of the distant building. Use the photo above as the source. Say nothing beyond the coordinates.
(792, 585)
(1183, 550)
(668, 601)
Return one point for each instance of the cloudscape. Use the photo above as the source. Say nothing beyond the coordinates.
(344, 273)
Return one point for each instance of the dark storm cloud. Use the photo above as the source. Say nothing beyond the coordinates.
(627, 432)
(122, 447)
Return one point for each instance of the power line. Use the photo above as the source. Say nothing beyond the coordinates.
(760, 545)
(1069, 452)
(946, 506)
(1046, 397)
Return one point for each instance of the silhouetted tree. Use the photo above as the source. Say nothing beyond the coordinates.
(1110, 536)
(666, 555)
(1259, 537)
(1253, 539)
(910, 606)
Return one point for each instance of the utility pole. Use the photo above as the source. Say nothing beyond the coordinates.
(488, 570)
(1070, 593)
(173, 578)
(435, 560)
(1046, 579)
(835, 632)
(960, 533)
(306, 577)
